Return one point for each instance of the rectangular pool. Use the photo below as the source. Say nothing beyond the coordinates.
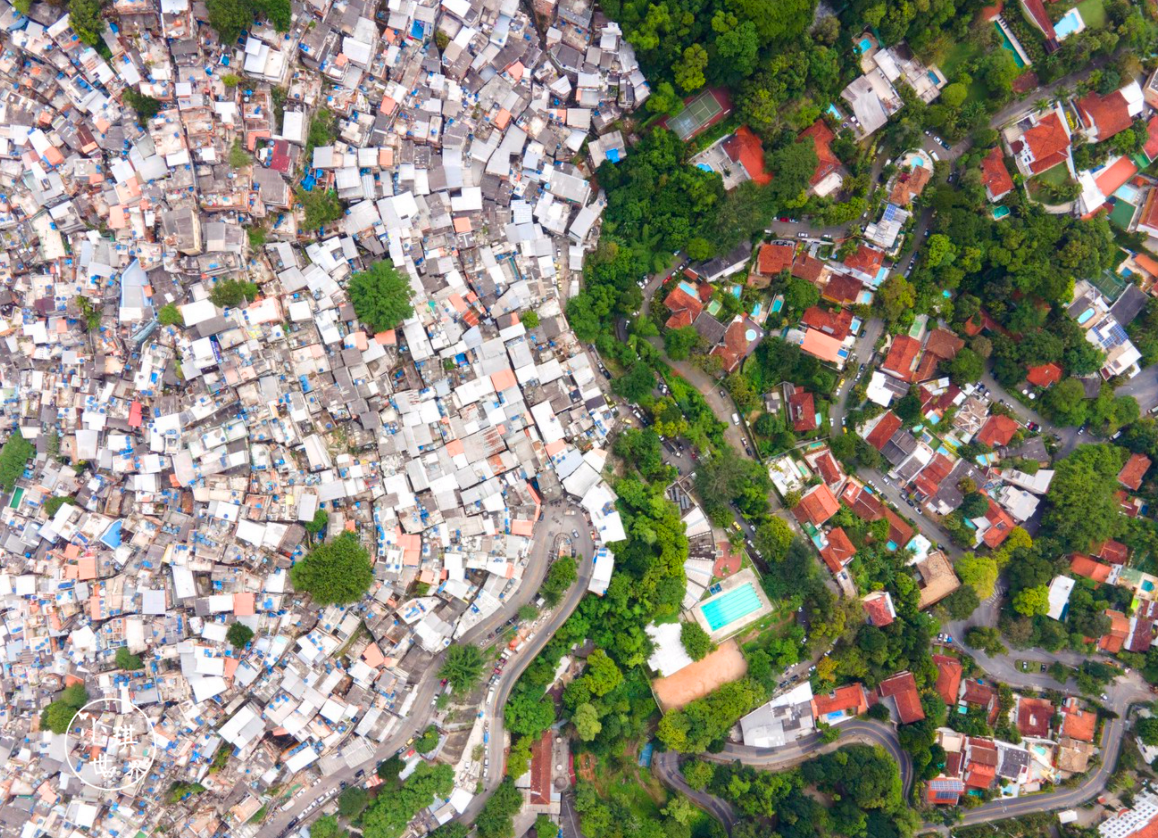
(734, 605)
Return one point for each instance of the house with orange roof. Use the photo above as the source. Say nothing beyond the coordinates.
(1045, 145)
(943, 344)
(839, 705)
(1044, 375)
(1114, 552)
(745, 150)
(1104, 116)
(1033, 717)
(901, 360)
(1078, 723)
(842, 289)
(900, 691)
(774, 258)
(823, 347)
(825, 180)
(839, 550)
(994, 176)
(802, 411)
(1111, 642)
(1132, 473)
(1148, 216)
(1086, 567)
(997, 431)
(836, 324)
(865, 263)
(879, 609)
(684, 307)
(949, 673)
(740, 340)
(817, 506)
(994, 526)
(887, 425)
(1037, 15)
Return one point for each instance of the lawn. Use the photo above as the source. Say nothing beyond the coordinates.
(1055, 177)
(961, 53)
(1093, 12)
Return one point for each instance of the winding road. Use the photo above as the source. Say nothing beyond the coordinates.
(556, 521)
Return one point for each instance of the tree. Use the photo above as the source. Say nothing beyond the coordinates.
(17, 451)
(428, 741)
(321, 207)
(1066, 403)
(1082, 508)
(229, 18)
(318, 524)
(586, 721)
(695, 640)
(381, 296)
(966, 367)
(84, 16)
(897, 296)
(170, 315)
(985, 638)
(351, 802)
(127, 660)
(602, 675)
(637, 384)
(1147, 730)
(239, 635)
(530, 319)
(327, 826)
(58, 715)
(230, 293)
(678, 343)
(560, 577)
(800, 294)
(53, 504)
(337, 572)
(462, 667)
(689, 72)
(1031, 601)
(979, 573)
(974, 505)
(545, 827)
(495, 820)
(961, 603)
(389, 769)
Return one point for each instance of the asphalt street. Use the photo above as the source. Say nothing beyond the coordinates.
(555, 522)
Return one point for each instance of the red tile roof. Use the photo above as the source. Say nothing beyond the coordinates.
(684, 308)
(802, 411)
(944, 344)
(839, 551)
(900, 533)
(868, 507)
(541, 770)
(1114, 552)
(1135, 469)
(1037, 13)
(842, 289)
(878, 609)
(884, 429)
(910, 185)
(744, 148)
(1044, 375)
(1000, 526)
(981, 695)
(830, 470)
(838, 324)
(850, 700)
(817, 506)
(929, 480)
(902, 688)
(994, 176)
(997, 431)
(1111, 642)
(1079, 724)
(948, 678)
(736, 345)
(1033, 717)
(980, 776)
(1109, 114)
(1048, 141)
(1151, 147)
(901, 360)
(866, 260)
(774, 258)
(807, 267)
(1083, 565)
(826, 161)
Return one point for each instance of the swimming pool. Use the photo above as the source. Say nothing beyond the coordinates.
(1127, 193)
(688, 289)
(864, 45)
(734, 605)
(1085, 315)
(1147, 585)
(777, 304)
(1071, 23)
(1008, 44)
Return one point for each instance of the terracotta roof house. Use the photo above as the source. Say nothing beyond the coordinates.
(865, 263)
(902, 689)
(1142, 633)
(817, 506)
(1083, 565)
(902, 358)
(1114, 552)
(829, 469)
(997, 431)
(948, 678)
(982, 695)
(744, 148)
(807, 267)
(839, 551)
(1148, 219)
(740, 340)
(826, 161)
(995, 176)
(802, 411)
(1033, 717)
(1077, 723)
(1000, 526)
(774, 258)
(937, 579)
(1105, 116)
(842, 289)
(834, 324)
(684, 307)
(878, 609)
(840, 704)
(910, 185)
(1044, 375)
(883, 431)
(1112, 641)
(982, 768)
(944, 344)
(1135, 469)
(868, 507)
(928, 482)
(1035, 11)
(900, 533)
(1043, 146)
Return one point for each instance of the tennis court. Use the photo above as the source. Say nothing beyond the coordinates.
(695, 115)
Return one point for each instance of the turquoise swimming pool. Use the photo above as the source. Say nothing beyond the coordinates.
(1008, 44)
(734, 605)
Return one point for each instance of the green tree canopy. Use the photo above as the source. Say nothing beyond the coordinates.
(695, 640)
(15, 454)
(239, 635)
(127, 660)
(462, 667)
(336, 572)
(381, 296)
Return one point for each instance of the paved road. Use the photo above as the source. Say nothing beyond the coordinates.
(862, 353)
(555, 521)
(1144, 388)
(667, 768)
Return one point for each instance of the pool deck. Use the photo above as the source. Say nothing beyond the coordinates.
(745, 576)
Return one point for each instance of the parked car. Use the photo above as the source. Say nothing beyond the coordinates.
(802, 235)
